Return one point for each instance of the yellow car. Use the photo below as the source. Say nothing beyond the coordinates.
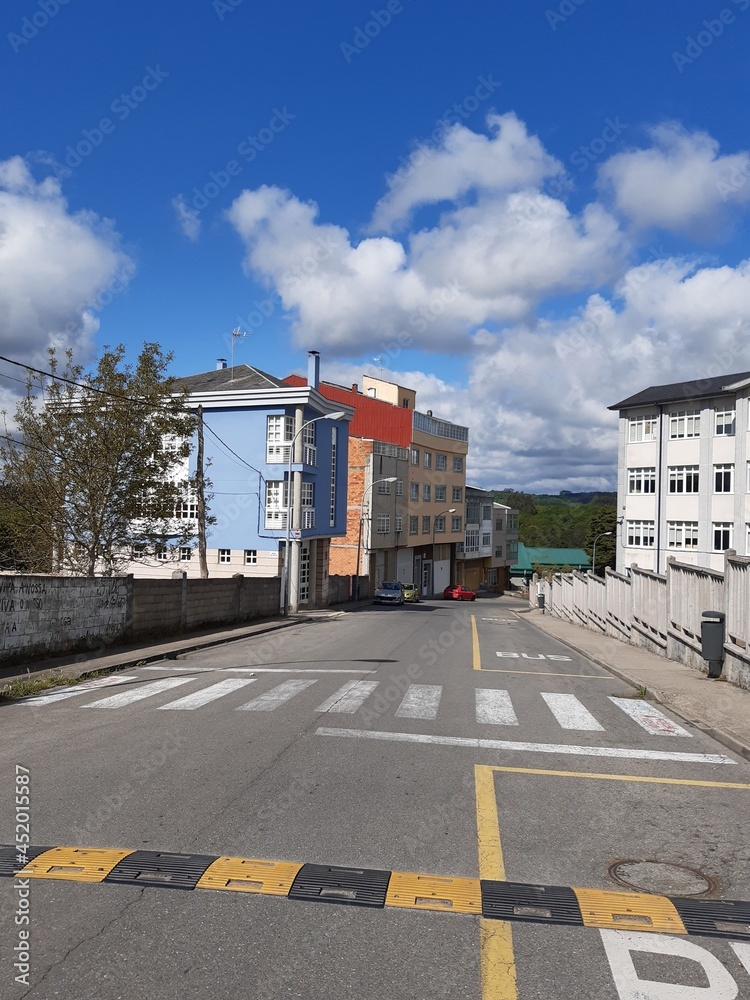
(411, 592)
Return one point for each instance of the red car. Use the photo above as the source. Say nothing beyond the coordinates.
(457, 592)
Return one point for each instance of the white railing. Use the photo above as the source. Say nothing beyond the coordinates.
(309, 454)
(692, 590)
(737, 601)
(650, 604)
(597, 598)
(619, 605)
(275, 519)
(277, 454)
(308, 517)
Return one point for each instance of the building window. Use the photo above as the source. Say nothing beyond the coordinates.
(512, 552)
(425, 524)
(440, 494)
(498, 552)
(642, 480)
(186, 553)
(383, 524)
(306, 494)
(683, 479)
(399, 522)
(225, 555)
(139, 551)
(399, 487)
(428, 460)
(279, 434)
(471, 542)
(486, 538)
(640, 534)
(384, 487)
(456, 523)
(413, 524)
(186, 509)
(682, 534)
(723, 532)
(747, 539)
(441, 462)
(685, 424)
(334, 442)
(405, 404)
(162, 553)
(415, 456)
(439, 524)
(456, 495)
(458, 464)
(724, 478)
(276, 504)
(251, 557)
(512, 522)
(642, 429)
(414, 491)
(725, 422)
(426, 491)
(498, 524)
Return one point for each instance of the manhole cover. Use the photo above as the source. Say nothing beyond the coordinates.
(661, 877)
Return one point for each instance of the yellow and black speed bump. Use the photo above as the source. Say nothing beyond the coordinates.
(377, 888)
(327, 884)
(545, 904)
(180, 871)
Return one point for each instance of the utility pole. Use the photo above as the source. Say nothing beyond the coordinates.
(201, 500)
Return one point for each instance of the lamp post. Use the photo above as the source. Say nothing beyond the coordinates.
(593, 556)
(387, 479)
(451, 510)
(336, 415)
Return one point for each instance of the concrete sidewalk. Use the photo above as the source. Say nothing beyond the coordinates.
(718, 708)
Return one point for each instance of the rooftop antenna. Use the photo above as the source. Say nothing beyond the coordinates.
(237, 334)
(379, 361)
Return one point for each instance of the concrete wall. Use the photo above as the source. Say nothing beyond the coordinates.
(49, 616)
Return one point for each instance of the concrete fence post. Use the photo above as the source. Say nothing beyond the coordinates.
(183, 602)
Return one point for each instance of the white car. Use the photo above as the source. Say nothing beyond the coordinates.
(389, 593)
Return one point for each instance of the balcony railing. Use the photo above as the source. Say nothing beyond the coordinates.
(276, 519)
(309, 454)
(308, 517)
(277, 454)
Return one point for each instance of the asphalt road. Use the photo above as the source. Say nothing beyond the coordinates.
(451, 740)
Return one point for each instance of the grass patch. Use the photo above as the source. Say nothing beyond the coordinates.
(24, 687)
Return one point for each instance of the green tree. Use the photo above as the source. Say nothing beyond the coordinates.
(96, 464)
(602, 519)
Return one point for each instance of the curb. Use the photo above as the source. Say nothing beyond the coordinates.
(654, 694)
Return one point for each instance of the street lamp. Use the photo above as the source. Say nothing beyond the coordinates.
(451, 510)
(593, 557)
(388, 479)
(336, 415)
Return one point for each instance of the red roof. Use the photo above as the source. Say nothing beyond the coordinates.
(373, 418)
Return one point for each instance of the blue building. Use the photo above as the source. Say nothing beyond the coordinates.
(251, 419)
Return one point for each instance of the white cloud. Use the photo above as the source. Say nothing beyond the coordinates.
(509, 159)
(680, 183)
(188, 218)
(57, 268)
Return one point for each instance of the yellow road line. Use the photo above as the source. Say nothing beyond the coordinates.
(475, 644)
(613, 777)
(497, 962)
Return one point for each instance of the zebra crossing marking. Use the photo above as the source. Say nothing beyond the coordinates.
(200, 698)
(276, 696)
(570, 713)
(99, 682)
(349, 697)
(649, 718)
(494, 707)
(421, 701)
(137, 694)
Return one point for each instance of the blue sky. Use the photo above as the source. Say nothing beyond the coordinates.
(527, 211)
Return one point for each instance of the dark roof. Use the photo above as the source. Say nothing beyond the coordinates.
(245, 377)
(675, 391)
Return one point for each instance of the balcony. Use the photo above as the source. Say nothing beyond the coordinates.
(276, 519)
(277, 454)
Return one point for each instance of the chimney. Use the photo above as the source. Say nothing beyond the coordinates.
(313, 369)
(220, 363)
(355, 387)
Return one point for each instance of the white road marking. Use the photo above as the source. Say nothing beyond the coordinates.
(556, 748)
(649, 717)
(261, 670)
(421, 701)
(349, 697)
(199, 698)
(99, 682)
(495, 707)
(139, 693)
(276, 696)
(570, 713)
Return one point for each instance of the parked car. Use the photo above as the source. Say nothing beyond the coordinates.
(411, 592)
(389, 593)
(457, 592)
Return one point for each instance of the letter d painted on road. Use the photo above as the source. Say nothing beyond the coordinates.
(620, 944)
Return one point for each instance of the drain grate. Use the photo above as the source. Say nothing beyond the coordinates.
(178, 871)
(547, 904)
(12, 860)
(723, 918)
(354, 886)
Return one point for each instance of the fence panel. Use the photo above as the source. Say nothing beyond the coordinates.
(692, 590)
(619, 595)
(597, 593)
(650, 605)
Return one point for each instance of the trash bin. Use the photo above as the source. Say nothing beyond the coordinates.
(540, 602)
(712, 641)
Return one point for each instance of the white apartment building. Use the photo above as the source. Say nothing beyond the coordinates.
(683, 477)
